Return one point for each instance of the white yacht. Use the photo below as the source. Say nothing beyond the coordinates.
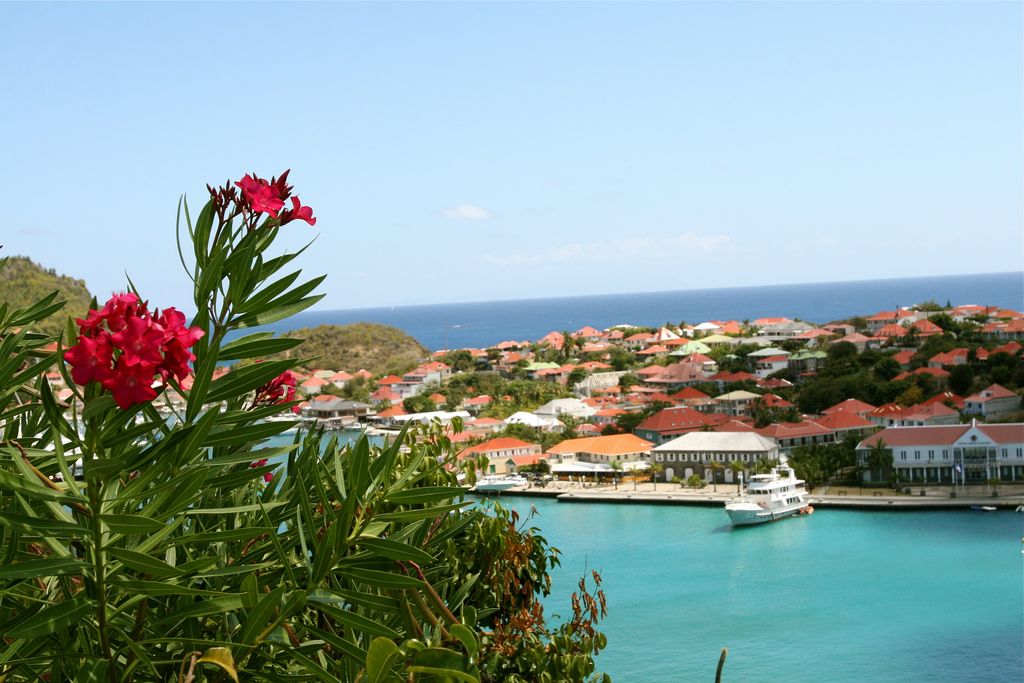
(769, 497)
(496, 483)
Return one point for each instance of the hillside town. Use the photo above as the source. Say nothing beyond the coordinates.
(926, 395)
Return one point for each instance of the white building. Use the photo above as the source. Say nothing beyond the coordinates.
(695, 451)
(973, 452)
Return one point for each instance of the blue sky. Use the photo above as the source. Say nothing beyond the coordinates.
(466, 152)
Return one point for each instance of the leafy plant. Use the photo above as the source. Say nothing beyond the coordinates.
(149, 530)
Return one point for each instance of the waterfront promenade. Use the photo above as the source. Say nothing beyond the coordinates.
(838, 497)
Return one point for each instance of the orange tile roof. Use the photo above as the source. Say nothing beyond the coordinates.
(616, 444)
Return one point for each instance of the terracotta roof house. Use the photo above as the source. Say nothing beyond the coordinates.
(952, 357)
(601, 449)
(903, 358)
(669, 423)
(676, 376)
(843, 422)
(850, 405)
(927, 414)
(790, 435)
(925, 328)
(992, 402)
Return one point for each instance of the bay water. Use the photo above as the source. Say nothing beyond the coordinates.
(835, 596)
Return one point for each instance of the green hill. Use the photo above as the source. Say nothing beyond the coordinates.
(22, 282)
(380, 349)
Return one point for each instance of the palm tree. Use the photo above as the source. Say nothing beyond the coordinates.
(715, 467)
(879, 459)
(616, 468)
(737, 469)
(656, 469)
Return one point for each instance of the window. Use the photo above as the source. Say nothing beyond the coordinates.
(657, 457)
(917, 455)
(931, 455)
(903, 455)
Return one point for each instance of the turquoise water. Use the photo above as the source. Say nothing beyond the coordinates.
(837, 596)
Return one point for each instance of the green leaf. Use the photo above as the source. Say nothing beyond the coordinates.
(131, 524)
(243, 380)
(381, 579)
(38, 526)
(280, 313)
(257, 346)
(234, 436)
(380, 659)
(32, 488)
(413, 515)
(440, 661)
(464, 635)
(56, 617)
(394, 550)
(31, 569)
(141, 562)
(426, 494)
(98, 405)
(357, 621)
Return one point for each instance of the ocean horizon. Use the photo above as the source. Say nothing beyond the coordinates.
(485, 323)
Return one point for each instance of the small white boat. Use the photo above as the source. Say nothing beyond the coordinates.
(984, 508)
(496, 483)
(769, 497)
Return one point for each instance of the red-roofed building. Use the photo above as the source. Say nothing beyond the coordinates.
(892, 331)
(851, 405)
(790, 435)
(555, 340)
(505, 455)
(385, 395)
(925, 328)
(607, 416)
(903, 358)
(843, 422)
(669, 423)
(937, 373)
(948, 398)
(949, 358)
(676, 376)
(992, 402)
(313, 385)
(973, 453)
(773, 401)
(887, 415)
(1011, 347)
(588, 333)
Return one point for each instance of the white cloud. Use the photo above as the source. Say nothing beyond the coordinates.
(648, 248)
(466, 212)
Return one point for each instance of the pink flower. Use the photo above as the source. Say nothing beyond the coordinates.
(298, 212)
(260, 195)
(140, 341)
(90, 359)
(131, 383)
(126, 348)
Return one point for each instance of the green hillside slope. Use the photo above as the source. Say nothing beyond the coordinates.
(22, 282)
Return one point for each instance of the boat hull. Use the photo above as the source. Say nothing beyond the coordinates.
(748, 515)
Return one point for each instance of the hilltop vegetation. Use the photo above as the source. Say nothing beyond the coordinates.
(22, 282)
(381, 349)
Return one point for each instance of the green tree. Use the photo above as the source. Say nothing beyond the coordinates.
(879, 461)
(715, 467)
(737, 469)
(961, 379)
(656, 469)
(616, 471)
(420, 403)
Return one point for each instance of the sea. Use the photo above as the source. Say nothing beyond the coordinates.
(838, 596)
(483, 324)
